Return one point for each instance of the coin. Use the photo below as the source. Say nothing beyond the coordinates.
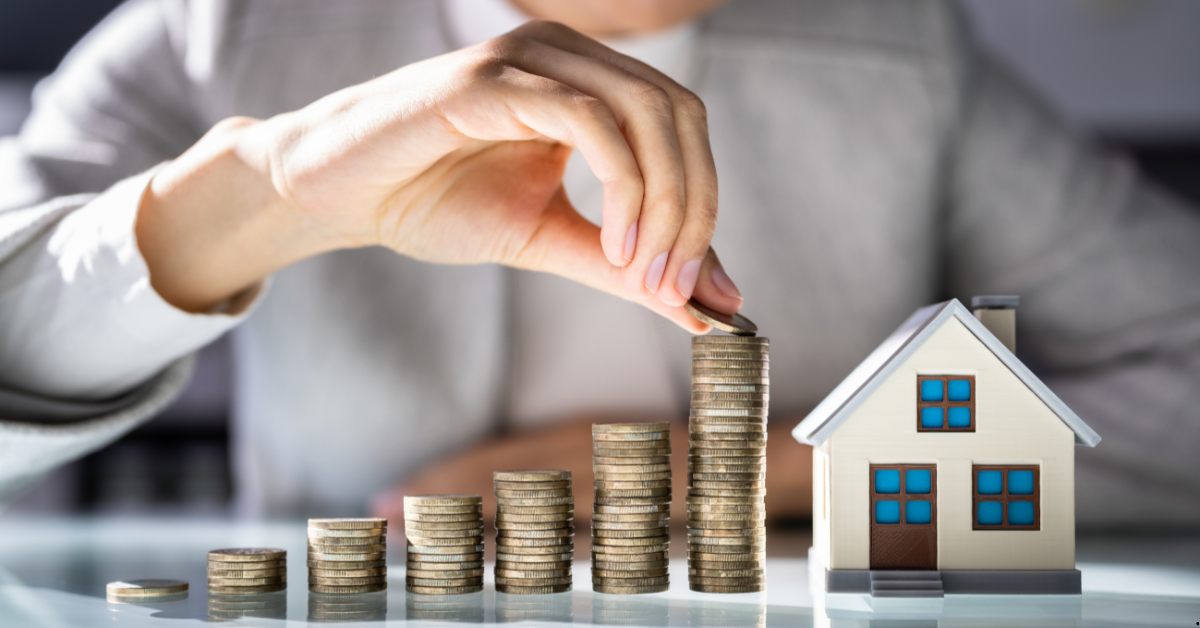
(247, 554)
(732, 323)
(631, 501)
(657, 516)
(601, 572)
(440, 525)
(630, 468)
(346, 549)
(439, 518)
(347, 573)
(539, 534)
(622, 540)
(239, 582)
(537, 510)
(533, 573)
(532, 486)
(630, 427)
(444, 574)
(553, 492)
(527, 550)
(631, 477)
(537, 581)
(613, 452)
(535, 558)
(442, 500)
(445, 510)
(443, 582)
(515, 542)
(543, 525)
(346, 581)
(629, 550)
(347, 541)
(444, 542)
(623, 590)
(151, 587)
(743, 517)
(532, 475)
(506, 517)
(347, 557)
(469, 548)
(254, 590)
(424, 566)
(336, 565)
(533, 590)
(348, 523)
(638, 492)
(362, 588)
(630, 525)
(538, 501)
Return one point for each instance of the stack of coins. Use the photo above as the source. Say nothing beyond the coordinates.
(247, 570)
(146, 591)
(346, 608)
(347, 555)
(632, 509)
(535, 534)
(261, 605)
(727, 464)
(445, 544)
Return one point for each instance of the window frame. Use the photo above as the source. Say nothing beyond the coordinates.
(1004, 498)
(903, 495)
(945, 404)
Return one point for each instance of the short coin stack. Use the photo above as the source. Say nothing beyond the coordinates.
(247, 570)
(535, 534)
(347, 555)
(632, 508)
(727, 464)
(445, 544)
(146, 591)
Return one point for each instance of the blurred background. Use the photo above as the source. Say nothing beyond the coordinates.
(1126, 71)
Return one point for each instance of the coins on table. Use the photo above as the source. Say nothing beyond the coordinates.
(445, 544)
(535, 534)
(347, 556)
(632, 511)
(247, 571)
(727, 463)
(148, 590)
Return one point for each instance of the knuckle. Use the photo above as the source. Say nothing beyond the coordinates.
(692, 106)
(654, 97)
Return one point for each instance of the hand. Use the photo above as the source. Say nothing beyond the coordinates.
(458, 160)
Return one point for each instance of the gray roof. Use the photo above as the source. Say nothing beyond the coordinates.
(825, 419)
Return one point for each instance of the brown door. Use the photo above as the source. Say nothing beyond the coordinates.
(903, 516)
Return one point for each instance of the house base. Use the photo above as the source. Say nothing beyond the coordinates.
(966, 581)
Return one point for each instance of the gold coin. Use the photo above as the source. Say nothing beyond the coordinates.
(533, 590)
(347, 573)
(506, 581)
(246, 582)
(728, 582)
(526, 550)
(535, 510)
(440, 518)
(558, 516)
(653, 572)
(502, 502)
(611, 452)
(630, 427)
(735, 469)
(443, 582)
(362, 564)
(531, 486)
(727, 516)
(607, 485)
(442, 559)
(247, 554)
(721, 379)
(632, 477)
(461, 536)
(346, 582)
(256, 573)
(554, 492)
(150, 587)
(428, 546)
(442, 500)
(631, 525)
(633, 492)
(632, 501)
(731, 323)
(537, 534)
(605, 437)
(733, 483)
(346, 549)
(605, 462)
(324, 556)
(621, 590)
(747, 428)
(726, 557)
(242, 566)
(543, 525)
(535, 558)
(444, 574)
(348, 523)
(516, 542)
(444, 590)
(532, 573)
(267, 588)
(532, 475)
(630, 468)
(423, 566)
(655, 517)
(707, 568)
(444, 510)
(637, 582)
(642, 447)
(362, 588)
(443, 525)
(348, 541)
(611, 539)
(648, 509)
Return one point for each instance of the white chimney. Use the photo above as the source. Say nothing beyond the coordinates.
(999, 314)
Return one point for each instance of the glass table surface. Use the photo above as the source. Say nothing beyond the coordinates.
(53, 573)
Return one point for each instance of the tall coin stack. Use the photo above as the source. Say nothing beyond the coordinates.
(347, 555)
(535, 534)
(631, 516)
(445, 544)
(247, 570)
(727, 464)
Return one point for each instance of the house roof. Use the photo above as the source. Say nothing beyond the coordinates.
(825, 419)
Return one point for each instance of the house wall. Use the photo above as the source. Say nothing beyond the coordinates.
(1013, 426)
(821, 502)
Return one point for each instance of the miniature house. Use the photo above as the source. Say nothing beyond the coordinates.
(942, 464)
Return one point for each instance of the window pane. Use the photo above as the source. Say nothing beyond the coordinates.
(959, 390)
(917, 481)
(1020, 482)
(931, 390)
(1020, 513)
(931, 418)
(887, 512)
(887, 481)
(989, 513)
(917, 512)
(989, 483)
(960, 417)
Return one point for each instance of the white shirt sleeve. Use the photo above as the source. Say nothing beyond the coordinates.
(78, 317)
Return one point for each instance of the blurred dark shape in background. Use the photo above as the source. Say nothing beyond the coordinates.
(1123, 70)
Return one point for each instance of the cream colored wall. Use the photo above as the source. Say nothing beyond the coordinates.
(821, 496)
(1013, 426)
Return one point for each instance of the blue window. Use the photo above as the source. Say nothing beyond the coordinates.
(917, 481)
(945, 403)
(1020, 513)
(887, 511)
(931, 390)
(917, 512)
(990, 482)
(1007, 497)
(989, 513)
(959, 390)
(887, 481)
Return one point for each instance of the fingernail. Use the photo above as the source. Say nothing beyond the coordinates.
(630, 241)
(655, 272)
(725, 284)
(685, 282)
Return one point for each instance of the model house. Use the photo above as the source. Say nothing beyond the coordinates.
(942, 464)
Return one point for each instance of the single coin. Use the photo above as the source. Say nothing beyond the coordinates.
(532, 573)
(639, 492)
(730, 439)
(267, 588)
(502, 502)
(416, 534)
(611, 452)
(535, 558)
(648, 509)
(444, 590)
(729, 449)
(637, 582)
(558, 516)
(628, 534)
(150, 587)
(632, 477)
(442, 500)
(630, 427)
(443, 582)
(721, 379)
(246, 582)
(726, 492)
(444, 510)
(444, 542)
(347, 573)
(348, 523)
(632, 501)
(369, 533)
(345, 582)
(335, 565)
(324, 556)
(715, 570)
(628, 461)
(642, 447)
(716, 589)
(731, 323)
(362, 588)
(544, 525)
(628, 540)
(708, 548)
(445, 558)
(755, 506)
(629, 552)
(727, 516)
(347, 541)
(508, 588)
(442, 525)
(755, 469)
(535, 510)
(652, 560)
(725, 484)
(747, 428)
(540, 581)
(247, 554)
(630, 517)
(525, 550)
(538, 534)
(531, 486)
(602, 437)
(424, 566)
(631, 525)
(346, 549)
(725, 557)
(519, 542)
(621, 590)
(245, 573)
(729, 582)
(751, 461)
(445, 548)
(706, 396)
(751, 530)
(735, 421)
(750, 361)
(741, 341)
(726, 476)
(761, 370)
(699, 413)
(242, 566)
(441, 518)
(630, 468)
(532, 475)
(553, 492)
(601, 572)
(716, 525)
(444, 574)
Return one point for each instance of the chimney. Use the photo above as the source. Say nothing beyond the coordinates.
(999, 314)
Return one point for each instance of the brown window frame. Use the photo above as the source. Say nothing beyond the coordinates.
(1004, 497)
(945, 404)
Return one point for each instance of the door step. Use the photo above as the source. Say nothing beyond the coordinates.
(906, 584)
